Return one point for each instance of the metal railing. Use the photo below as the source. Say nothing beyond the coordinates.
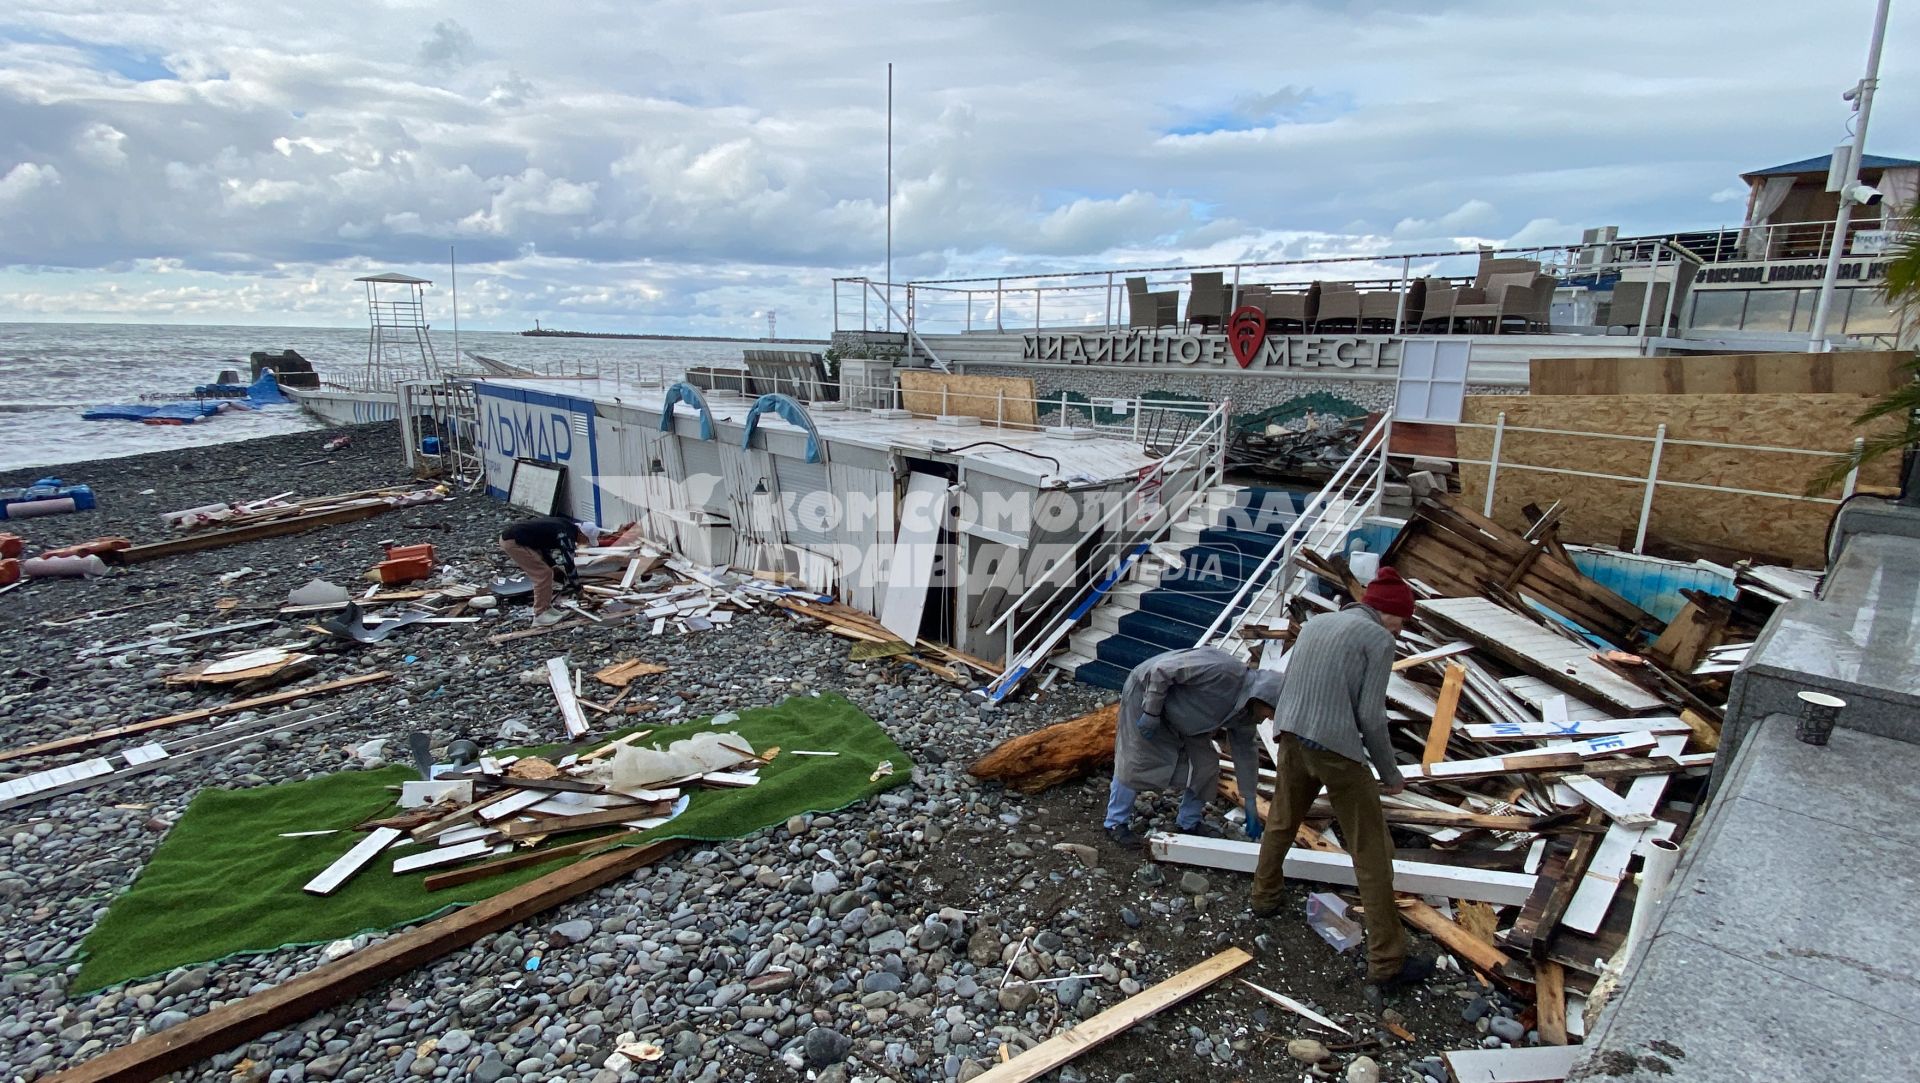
(1351, 494)
(1159, 500)
(1651, 482)
(1098, 299)
(1783, 241)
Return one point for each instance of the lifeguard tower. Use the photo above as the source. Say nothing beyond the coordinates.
(398, 346)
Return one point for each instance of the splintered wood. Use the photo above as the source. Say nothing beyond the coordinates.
(1117, 1020)
(1550, 734)
(621, 674)
(1060, 753)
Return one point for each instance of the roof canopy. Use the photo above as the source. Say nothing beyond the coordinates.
(396, 277)
(1825, 161)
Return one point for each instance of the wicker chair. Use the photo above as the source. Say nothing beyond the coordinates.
(1510, 296)
(1339, 304)
(1286, 310)
(1629, 298)
(1438, 296)
(1207, 300)
(1149, 310)
(1380, 309)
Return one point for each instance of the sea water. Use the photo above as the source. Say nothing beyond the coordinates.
(50, 372)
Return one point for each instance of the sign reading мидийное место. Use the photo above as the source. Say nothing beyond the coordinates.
(1292, 352)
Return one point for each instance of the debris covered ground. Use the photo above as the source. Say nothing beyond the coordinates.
(898, 919)
(894, 916)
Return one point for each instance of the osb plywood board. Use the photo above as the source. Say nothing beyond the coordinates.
(1599, 511)
(1867, 372)
(1008, 399)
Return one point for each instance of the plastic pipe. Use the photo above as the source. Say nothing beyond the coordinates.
(28, 509)
(62, 567)
(1655, 875)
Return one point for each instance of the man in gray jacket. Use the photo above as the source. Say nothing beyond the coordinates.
(1171, 708)
(1331, 722)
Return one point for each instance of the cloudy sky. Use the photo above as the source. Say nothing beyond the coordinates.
(685, 166)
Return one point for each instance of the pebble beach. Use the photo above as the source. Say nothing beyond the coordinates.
(897, 919)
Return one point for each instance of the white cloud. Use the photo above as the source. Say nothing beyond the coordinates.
(733, 159)
(25, 178)
(102, 144)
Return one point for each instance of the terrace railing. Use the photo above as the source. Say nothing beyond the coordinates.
(1094, 300)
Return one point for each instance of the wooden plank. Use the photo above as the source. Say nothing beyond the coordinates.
(1538, 1064)
(1550, 1002)
(1547, 731)
(194, 543)
(1484, 956)
(509, 804)
(1706, 735)
(1595, 793)
(1413, 877)
(245, 1018)
(564, 825)
(1536, 693)
(444, 855)
(440, 881)
(1061, 1048)
(1555, 659)
(1441, 728)
(98, 737)
(1457, 647)
(351, 862)
(1550, 757)
(561, 681)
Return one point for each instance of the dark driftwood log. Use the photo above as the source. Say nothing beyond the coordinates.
(1048, 757)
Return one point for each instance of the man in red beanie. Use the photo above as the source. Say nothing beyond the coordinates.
(1331, 721)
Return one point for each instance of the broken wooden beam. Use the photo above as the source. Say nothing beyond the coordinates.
(245, 1018)
(1413, 877)
(1117, 1020)
(561, 681)
(194, 543)
(350, 863)
(1441, 728)
(440, 881)
(1482, 955)
(99, 737)
(1048, 757)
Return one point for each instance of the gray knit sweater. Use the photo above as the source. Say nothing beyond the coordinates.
(1336, 689)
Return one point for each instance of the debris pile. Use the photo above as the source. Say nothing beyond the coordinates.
(1554, 739)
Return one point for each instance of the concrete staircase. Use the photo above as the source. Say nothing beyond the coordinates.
(1220, 544)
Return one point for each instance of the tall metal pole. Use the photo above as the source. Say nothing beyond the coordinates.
(889, 195)
(1816, 337)
(453, 276)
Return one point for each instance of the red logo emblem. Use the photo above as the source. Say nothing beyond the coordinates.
(1246, 331)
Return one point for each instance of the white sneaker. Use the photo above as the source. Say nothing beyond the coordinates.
(548, 619)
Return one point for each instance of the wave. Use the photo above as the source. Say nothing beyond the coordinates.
(35, 407)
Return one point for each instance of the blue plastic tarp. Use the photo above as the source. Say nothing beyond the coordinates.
(184, 412)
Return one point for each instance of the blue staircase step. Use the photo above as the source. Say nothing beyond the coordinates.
(1127, 653)
(1102, 674)
(1181, 606)
(1164, 631)
(1254, 543)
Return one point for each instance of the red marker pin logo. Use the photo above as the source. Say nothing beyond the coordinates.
(1246, 331)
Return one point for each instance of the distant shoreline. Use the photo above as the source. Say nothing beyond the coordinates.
(544, 332)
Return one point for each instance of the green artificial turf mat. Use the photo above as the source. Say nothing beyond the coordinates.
(224, 882)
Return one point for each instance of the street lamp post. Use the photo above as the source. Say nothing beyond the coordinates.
(1862, 96)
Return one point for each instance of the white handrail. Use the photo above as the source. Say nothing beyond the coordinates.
(1193, 441)
(1340, 482)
